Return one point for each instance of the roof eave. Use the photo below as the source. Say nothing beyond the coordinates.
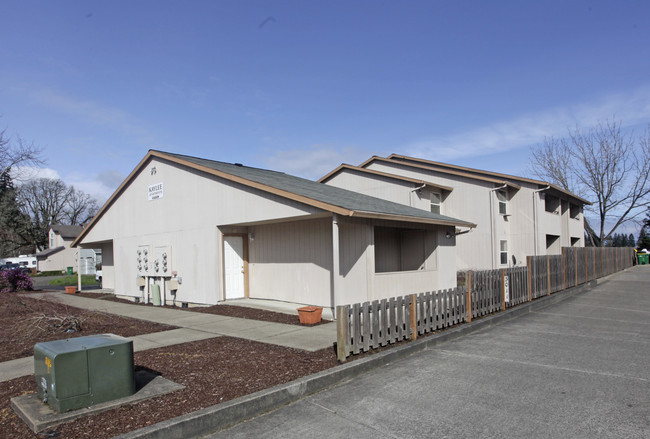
(412, 219)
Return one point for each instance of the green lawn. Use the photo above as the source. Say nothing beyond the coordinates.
(86, 279)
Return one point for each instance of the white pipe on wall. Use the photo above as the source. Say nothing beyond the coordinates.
(536, 219)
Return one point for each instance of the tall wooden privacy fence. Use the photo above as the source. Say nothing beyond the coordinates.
(361, 327)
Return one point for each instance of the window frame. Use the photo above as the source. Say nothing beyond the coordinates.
(503, 252)
(502, 203)
(438, 204)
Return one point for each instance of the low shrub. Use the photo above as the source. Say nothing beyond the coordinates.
(15, 280)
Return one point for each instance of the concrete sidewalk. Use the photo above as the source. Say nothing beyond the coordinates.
(193, 326)
(567, 365)
(574, 369)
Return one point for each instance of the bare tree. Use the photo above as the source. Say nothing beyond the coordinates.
(80, 208)
(50, 201)
(44, 200)
(17, 153)
(605, 165)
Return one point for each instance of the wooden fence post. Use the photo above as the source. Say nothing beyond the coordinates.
(575, 259)
(469, 296)
(593, 257)
(503, 289)
(530, 276)
(341, 332)
(563, 268)
(414, 318)
(548, 274)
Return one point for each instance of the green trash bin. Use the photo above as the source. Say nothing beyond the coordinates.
(643, 258)
(69, 270)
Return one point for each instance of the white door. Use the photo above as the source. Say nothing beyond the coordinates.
(233, 261)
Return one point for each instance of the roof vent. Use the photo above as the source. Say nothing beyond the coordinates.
(238, 164)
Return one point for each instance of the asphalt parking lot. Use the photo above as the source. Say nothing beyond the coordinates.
(578, 368)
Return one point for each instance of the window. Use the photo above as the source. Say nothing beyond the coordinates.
(435, 202)
(575, 242)
(574, 210)
(504, 252)
(551, 204)
(502, 197)
(51, 240)
(553, 245)
(399, 249)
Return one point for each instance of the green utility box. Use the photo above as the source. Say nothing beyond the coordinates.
(80, 372)
(69, 271)
(643, 258)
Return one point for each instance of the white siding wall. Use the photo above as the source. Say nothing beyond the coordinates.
(108, 266)
(475, 201)
(357, 264)
(577, 229)
(381, 187)
(469, 201)
(292, 262)
(185, 218)
(60, 260)
(289, 260)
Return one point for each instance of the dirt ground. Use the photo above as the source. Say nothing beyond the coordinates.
(213, 371)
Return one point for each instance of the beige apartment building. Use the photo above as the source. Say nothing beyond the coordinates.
(515, 216)
(205, 231)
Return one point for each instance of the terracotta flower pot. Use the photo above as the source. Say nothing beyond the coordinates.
(71, 290)
(310, 315)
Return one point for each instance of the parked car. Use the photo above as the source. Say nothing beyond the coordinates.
(15, 267)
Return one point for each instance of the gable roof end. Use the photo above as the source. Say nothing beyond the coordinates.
(417, 181)
(328, 198)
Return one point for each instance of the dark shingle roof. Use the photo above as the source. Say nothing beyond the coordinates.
(67, 232)
(50, 251)
(323, 193)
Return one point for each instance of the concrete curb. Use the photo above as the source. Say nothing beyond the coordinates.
(227, 414)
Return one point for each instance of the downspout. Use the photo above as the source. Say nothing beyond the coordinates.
(535, 215)
(79, 269)
(335, 281)
(492, 223)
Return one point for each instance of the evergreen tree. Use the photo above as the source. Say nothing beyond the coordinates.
(15, 227)
(644, 234)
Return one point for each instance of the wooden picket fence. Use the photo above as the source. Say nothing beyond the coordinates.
(361, 327)
(368, 325)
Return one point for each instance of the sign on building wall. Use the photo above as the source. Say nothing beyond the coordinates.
(155, 191)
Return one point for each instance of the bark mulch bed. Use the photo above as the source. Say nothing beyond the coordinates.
(213, 370)
(25, 321)
(242, 312)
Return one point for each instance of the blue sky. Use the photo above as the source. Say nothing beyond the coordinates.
(302, 86)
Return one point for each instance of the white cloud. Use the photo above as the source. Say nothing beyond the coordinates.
(498, 138)
(629, 108)
(315, 161)
(93, 112)
(24, 173)
(100, 186)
